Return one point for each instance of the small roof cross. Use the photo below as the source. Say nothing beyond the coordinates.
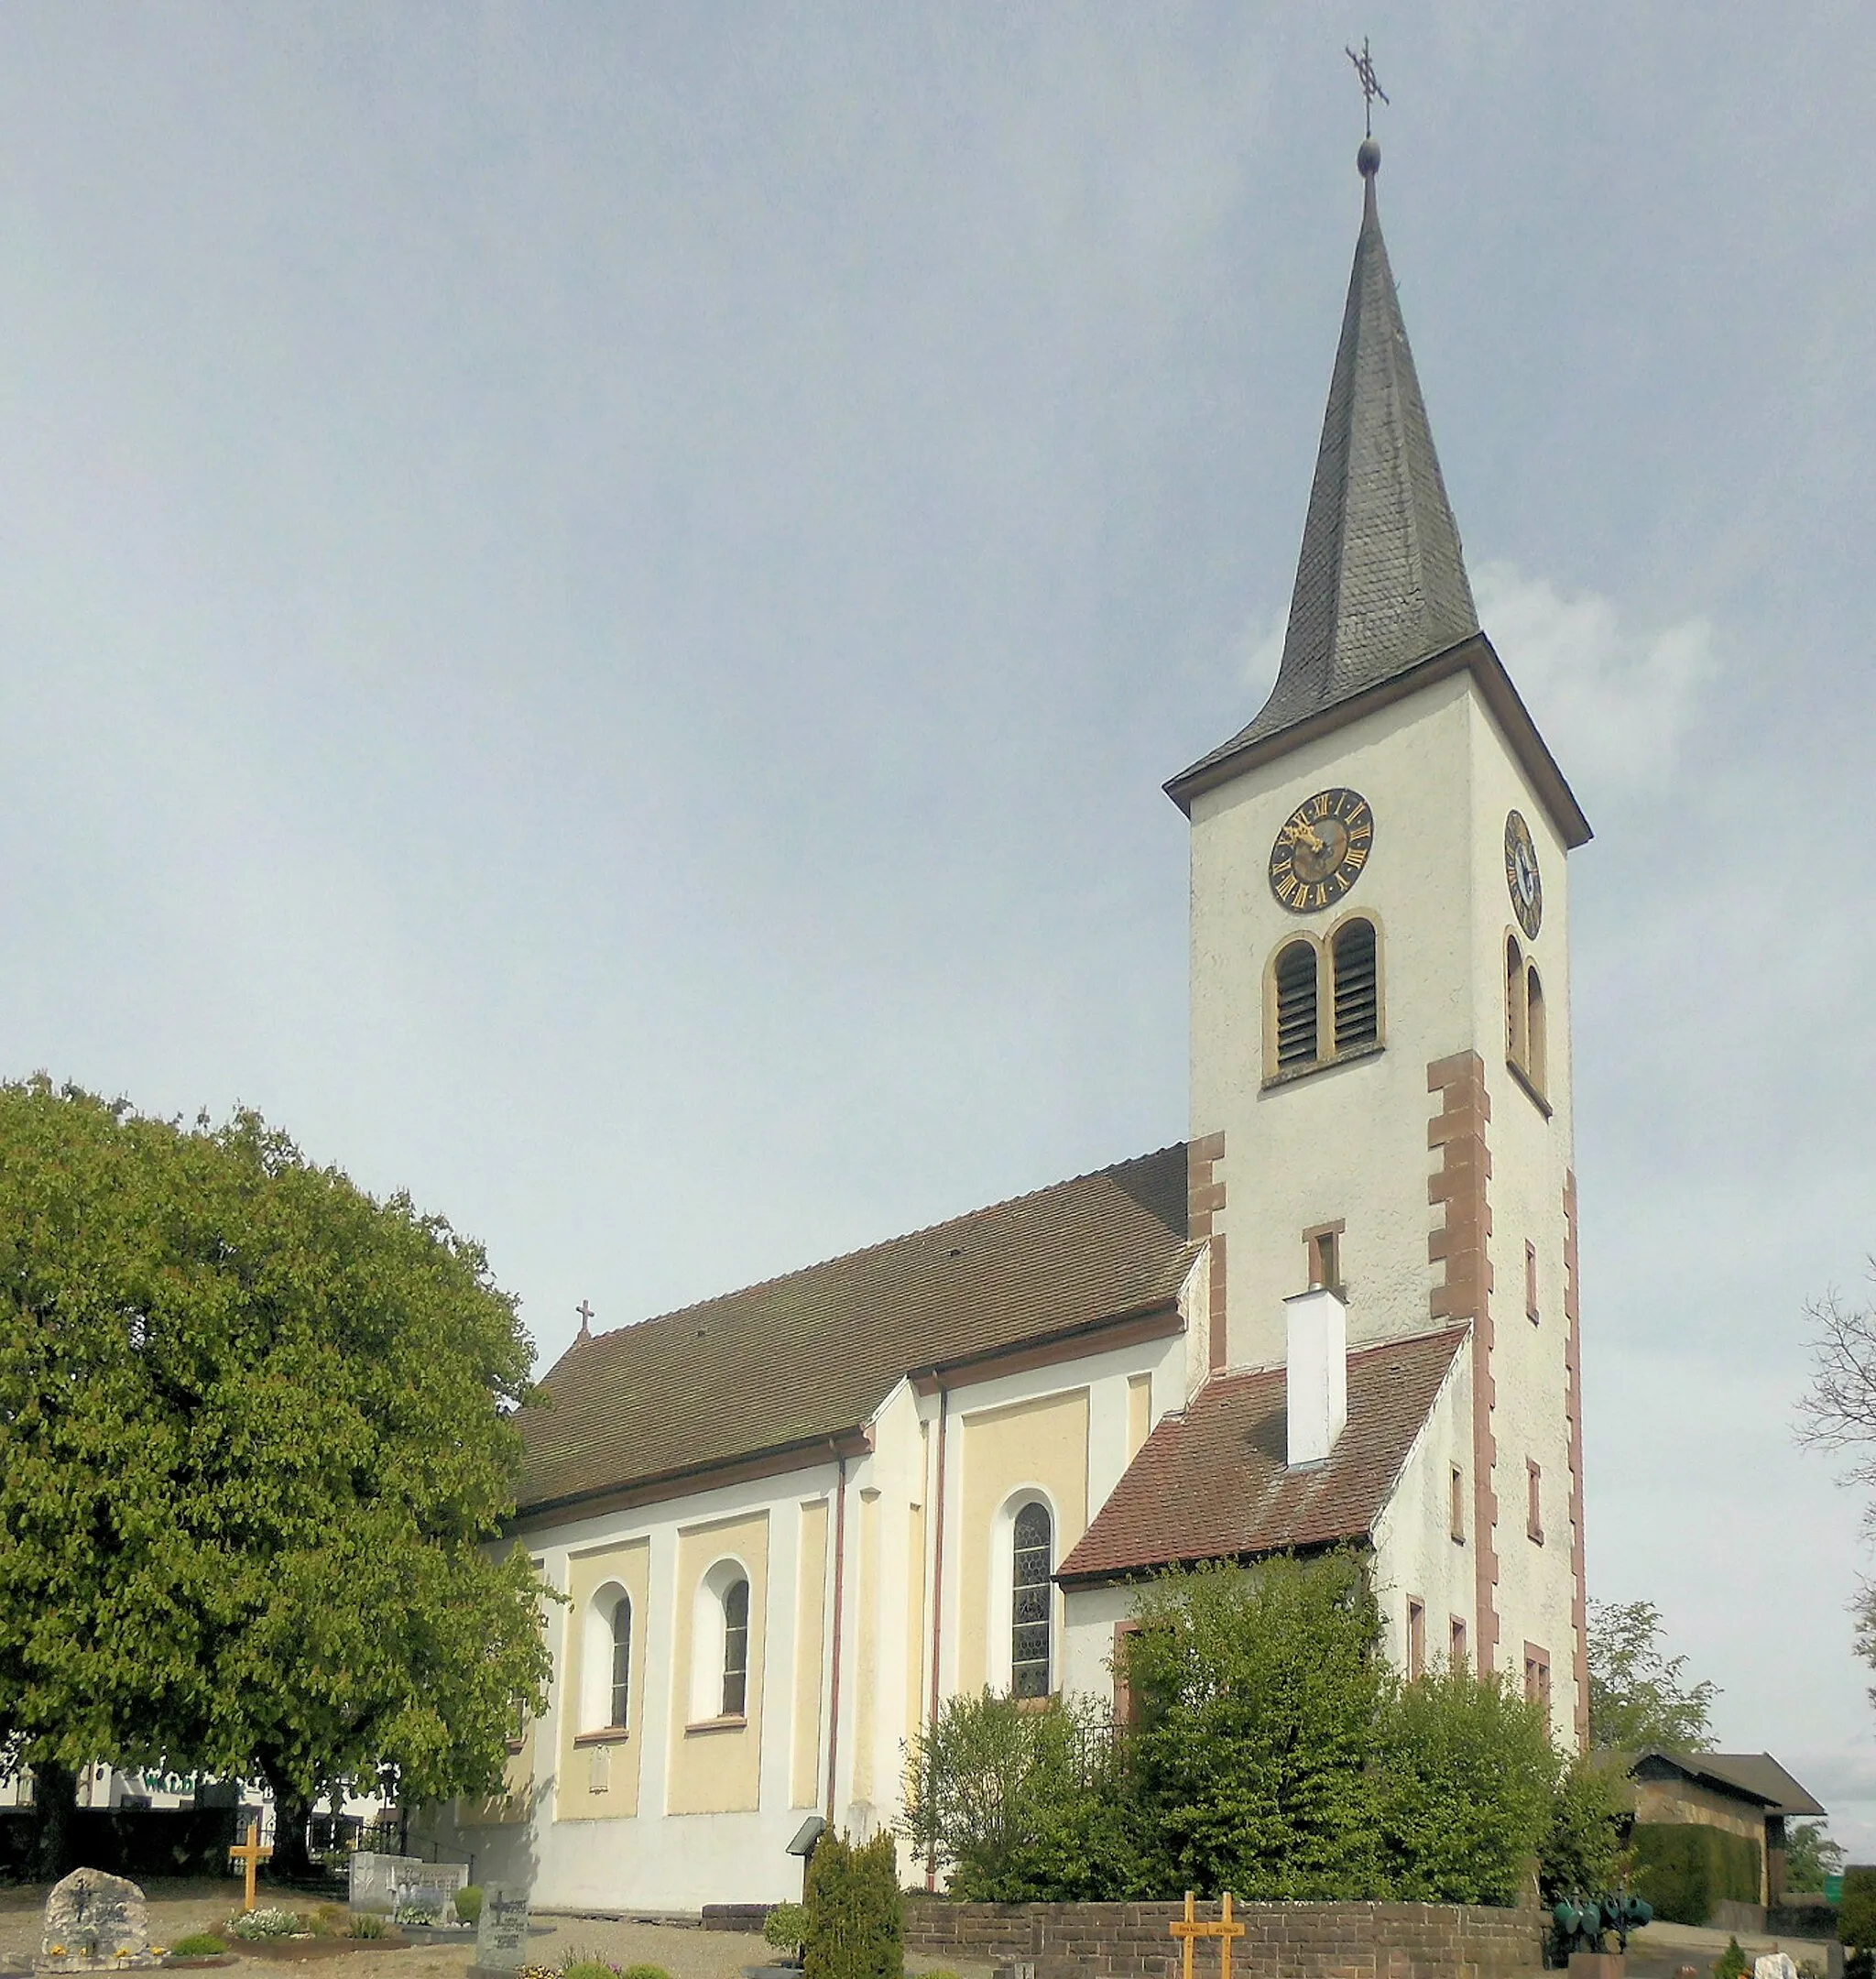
(1371, 87)
(585, 1313)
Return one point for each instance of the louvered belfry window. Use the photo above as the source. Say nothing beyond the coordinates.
(1296, 1043)
(1358, 987)
(1029, 1590)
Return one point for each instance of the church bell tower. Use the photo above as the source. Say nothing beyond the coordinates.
(1381, 996)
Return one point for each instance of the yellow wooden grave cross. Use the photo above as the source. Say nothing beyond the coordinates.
(1189, 1928)
(250, 1855)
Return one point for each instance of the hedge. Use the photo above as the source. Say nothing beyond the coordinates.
(1684, 1868)
(1855, 1915)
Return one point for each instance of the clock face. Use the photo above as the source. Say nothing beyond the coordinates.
(1522, 876)
(1321, 849)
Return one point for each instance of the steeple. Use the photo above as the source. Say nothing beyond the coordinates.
(1381, 582)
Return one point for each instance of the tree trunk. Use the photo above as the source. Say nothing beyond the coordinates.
(292, 1860)
(55, 1800)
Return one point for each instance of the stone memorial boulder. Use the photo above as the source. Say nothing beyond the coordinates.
(95, 1921)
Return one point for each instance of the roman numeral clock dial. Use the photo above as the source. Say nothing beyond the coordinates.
(1321, 849)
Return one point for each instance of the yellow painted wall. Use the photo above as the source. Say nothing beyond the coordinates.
(915, 1623)
(810, 1615)
(1140, 1412)
(866, 1655)
(1043, 1443)
(715, 1766)
(594, 1782)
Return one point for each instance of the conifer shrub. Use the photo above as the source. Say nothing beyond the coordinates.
(644, 1971)
(469, 1904)
(856, 1922)
(1731, 1964)
(198, 1944)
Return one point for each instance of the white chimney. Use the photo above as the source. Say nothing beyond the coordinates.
(1317, 1373)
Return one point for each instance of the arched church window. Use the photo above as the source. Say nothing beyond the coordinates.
(621, 1659)
(1030, 1591)
(736, 1648)
(1515, 1011)
(1358, 986)
(1534, 1030)
(1296, 998)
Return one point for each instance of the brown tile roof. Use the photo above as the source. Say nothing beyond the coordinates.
(1211, 1484)
(1753, 1776)
(806, 1357)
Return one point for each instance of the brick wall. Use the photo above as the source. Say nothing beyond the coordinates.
(1281, 1940)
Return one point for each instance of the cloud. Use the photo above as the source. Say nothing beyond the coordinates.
(1614, 702)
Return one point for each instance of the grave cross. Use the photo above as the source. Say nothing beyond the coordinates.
(250, 1855)
(1189, 1928)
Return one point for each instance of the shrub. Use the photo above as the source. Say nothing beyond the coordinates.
(855, 1914)
(1856, 1911)
(644, 1971)
(1684, 1868)
(1731, 1964)
(786, 1926)
(1257, 1695)
(198, 1944)
(367, 1924)
(469, 1904)
(1581, 1850)
(1023, 1801)
(587, 1968)
(1467, 1774)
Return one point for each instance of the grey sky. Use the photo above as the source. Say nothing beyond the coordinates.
(594, 602)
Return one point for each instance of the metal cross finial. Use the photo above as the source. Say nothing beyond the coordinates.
(585, 1313)
(1370, 89)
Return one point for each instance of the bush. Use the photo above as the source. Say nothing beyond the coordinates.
(1581, 1855)
(1023, 1802)
(786, 1926)
(367, 1924)
(855, 1915)
(587, 1968)
(1684, 1868)
(1257, 1694)
(644, 1971)
(1467, 1774)
(469, 1904)
(1856, 1911)
(198, 1944)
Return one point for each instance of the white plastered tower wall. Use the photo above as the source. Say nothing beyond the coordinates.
(1349, 1144)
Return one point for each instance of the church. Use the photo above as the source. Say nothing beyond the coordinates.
(788, 1522)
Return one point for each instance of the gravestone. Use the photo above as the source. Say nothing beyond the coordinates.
(405, 1887)
(1774, 1966)
(94, 1920)
(501, 1936)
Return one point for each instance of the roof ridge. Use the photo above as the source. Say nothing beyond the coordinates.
(860, 1251)
(1361, 1352)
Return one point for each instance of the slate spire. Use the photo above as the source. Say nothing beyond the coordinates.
(1381, 582)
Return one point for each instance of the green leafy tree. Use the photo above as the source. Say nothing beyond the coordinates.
(254, 1436)
(1638, 1696)
(1467, 1777)
(1590, 1810)
(1257, 1695)
(1810, 1855)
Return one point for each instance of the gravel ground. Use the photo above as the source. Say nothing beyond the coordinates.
(178, 1907)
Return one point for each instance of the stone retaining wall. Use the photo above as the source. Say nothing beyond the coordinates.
(1281, 1940)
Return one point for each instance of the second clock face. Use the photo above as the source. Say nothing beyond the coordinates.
(1320, 851)
(1522, 879)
